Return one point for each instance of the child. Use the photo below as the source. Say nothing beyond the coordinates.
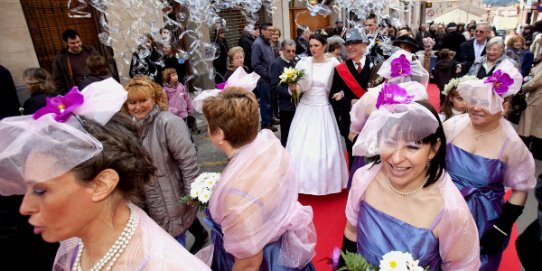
(453, 103)
(177, 96)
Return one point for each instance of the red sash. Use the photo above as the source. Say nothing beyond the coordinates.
(349, 79)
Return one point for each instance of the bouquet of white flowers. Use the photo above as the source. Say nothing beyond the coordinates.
(292, 76)
(391, 261)
(201, 189)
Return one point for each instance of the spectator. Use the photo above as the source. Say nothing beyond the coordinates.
(302, 41)
(236, 58)
(334, 50)
(453, 39)
(40, 84)
(70, 66)
(10, 101)
(220, 63)
(286, 105)
(171, 61)
(536, 47)
(484, 66)
(97, 65)
(145, 58)
(529, 242)
(178, 100)
(262, 58)
(422, 34)
(474, 48)
(530, 122)
(527, 34)
(245, 41)
(470, 33)
(275, 41)
(517, 51)
(442, 73)
(439, 35)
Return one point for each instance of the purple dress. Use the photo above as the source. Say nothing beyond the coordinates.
(480, 181)
(380, 233)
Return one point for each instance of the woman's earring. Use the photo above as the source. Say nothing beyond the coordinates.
(220, 142)
(428, 164)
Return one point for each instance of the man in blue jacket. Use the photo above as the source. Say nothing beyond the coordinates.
(262, 58)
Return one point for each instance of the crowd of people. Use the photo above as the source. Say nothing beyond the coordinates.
(419, 180)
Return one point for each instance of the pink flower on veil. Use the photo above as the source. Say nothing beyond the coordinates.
(393, 94)
(400, 66)
(501, 81)
(61, 106)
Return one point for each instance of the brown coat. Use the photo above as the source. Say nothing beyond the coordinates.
(166, 137)
(530, 123)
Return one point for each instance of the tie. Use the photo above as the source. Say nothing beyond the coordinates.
(358, 64)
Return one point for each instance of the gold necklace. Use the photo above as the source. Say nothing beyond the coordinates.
(478, 134)
(406, 194)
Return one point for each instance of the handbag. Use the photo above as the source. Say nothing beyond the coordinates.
(517, 106)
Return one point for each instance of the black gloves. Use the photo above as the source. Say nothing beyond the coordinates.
(347, 246)
(493, 240)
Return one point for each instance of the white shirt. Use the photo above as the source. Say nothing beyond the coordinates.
(361, 62)
(478, 48)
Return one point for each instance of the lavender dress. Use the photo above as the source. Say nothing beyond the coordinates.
(480, 181)
(380, 233)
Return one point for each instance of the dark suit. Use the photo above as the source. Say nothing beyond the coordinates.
(466, 54)
(286, 105)
(342, 107)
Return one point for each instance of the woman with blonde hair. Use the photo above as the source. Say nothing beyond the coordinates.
(40, 84)
(236, 58)
(167, 139)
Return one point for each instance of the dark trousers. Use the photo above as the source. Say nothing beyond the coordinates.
(529, 247)
(349, 144)
(286, 118)
(266, 111)
(535, 146)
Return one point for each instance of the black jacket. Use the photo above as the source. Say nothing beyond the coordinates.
(466, 54)
(245, 41)
(36, 101)
(342, 107)
(453, 41)
(9, 103)
(284, 97)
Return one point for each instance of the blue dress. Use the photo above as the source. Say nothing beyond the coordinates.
(480, 181)
(380, 233)
(223, 261)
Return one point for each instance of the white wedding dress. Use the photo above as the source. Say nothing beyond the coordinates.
(314, 141)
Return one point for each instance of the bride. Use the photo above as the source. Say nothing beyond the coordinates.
(314, 141)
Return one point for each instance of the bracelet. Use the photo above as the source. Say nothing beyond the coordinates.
(501, 231)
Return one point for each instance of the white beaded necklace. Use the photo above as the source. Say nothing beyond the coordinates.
(406, 194)
(478, 134)
(109, 259)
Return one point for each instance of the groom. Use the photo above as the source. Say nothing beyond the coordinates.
(350, 82)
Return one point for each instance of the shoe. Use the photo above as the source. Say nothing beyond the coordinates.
(271, 127)
(275, 121)
(199, 242)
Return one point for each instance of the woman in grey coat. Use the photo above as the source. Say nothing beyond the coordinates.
(484, 66)
(167, 139)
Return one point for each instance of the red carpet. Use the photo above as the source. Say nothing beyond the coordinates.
(330, 220)
(434, 96)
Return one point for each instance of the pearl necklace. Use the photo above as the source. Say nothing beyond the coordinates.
(406, 194)
(115, 251)
(478, 134)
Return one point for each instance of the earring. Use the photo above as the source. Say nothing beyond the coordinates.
(428, 163)
(220, 142)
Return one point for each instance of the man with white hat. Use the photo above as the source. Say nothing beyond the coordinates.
(350, 81)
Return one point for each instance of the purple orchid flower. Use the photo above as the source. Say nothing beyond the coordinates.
(335, 256)
(221, 86)
(400, 66)
(61, 106)
(501, 81)
(393, 94)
